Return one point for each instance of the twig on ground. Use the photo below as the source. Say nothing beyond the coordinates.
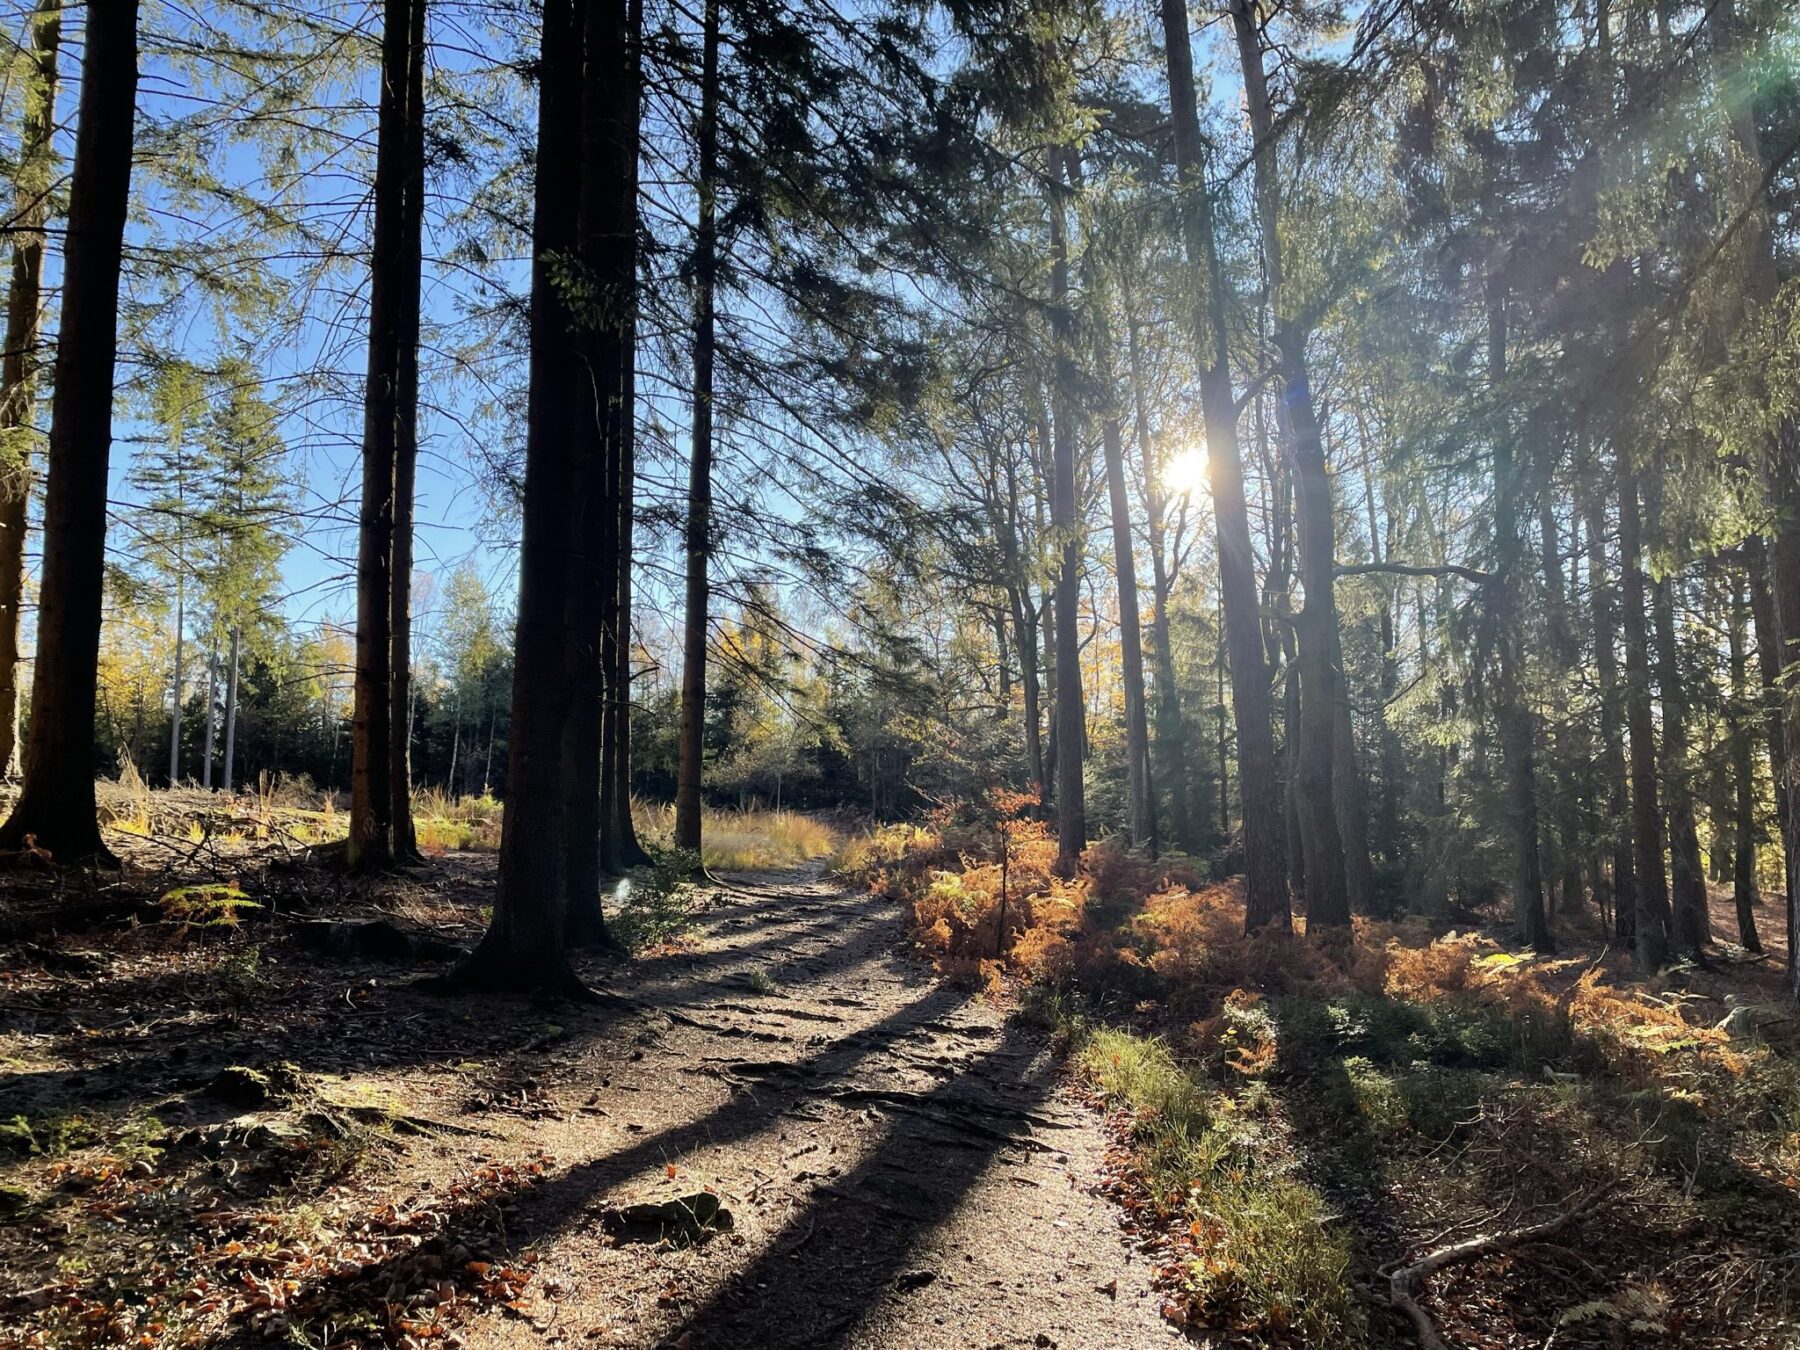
(1404, 1283)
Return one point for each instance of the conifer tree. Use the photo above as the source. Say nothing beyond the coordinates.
(56, 810)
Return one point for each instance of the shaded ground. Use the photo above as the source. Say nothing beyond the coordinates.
(896, 1163)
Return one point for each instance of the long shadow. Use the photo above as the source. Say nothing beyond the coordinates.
(131, 1065)
(541, 1210)
(842, 1253)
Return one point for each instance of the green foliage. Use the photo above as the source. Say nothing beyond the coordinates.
(208, 905)
(1270, 1258)
(653, 905)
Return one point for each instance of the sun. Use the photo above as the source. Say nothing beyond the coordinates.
(1187, 474)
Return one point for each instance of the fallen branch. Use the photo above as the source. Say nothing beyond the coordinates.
(1404, 1283)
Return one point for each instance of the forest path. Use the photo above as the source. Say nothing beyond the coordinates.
(901, 1164)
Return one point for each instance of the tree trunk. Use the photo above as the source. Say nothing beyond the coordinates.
(57, 808)
(699, 521)
(1688, 877)
(1070, 710)
(175, 715)
(1612, 752)
(1744, 700)
(1568, 850)
(212, 703)
(1781, 479)
(524, 945)
(1265, 888)
(1142, 814)
(1171, 732)
(231, 709)
(1025, 628)
(1651, 923)
(374, 729)
(1321, 839)
(607, 242)
(620, 828)
(1768, 661)
(408, 263)
(1515, 721)
(18, 366)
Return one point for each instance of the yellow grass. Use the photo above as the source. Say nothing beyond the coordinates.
(743, 841)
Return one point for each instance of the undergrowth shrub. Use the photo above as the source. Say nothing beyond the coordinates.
(1265, 1256)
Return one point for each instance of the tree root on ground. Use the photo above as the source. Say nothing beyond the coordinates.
(1404, 1283)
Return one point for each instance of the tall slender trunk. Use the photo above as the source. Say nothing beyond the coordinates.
(1744, 700)
(455, 743)
(57, 807)
(1768, 663)
(1265, 888)
(1567, 813)
(175, 714)
(1171, 732)
(212, 704)
(374, 723)
(408, 263)
(699, 521)
(1321, 839)
(231, 710)
(607, 233)
(1781, 477)
(1387, 810)
(524, 947)
(18, 366)
(1651, 924)
(1070, 710)
(1688, 876)
(1142, 815)
(1516, 732)
(1618, 831)
(620, 828)
(1025, 628)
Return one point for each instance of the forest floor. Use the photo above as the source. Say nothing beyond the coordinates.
(226, 1125)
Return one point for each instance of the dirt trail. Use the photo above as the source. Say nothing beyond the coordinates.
(900, 1164)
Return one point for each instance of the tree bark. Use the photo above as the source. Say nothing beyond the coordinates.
(1069, 710)
(524, 945)
(699, 521)
(18, 367)
(1265, 888)
(1651, 922)
(607, 237)
(374, 724)
(1612, 751)
(408, 263)
(1688, 878)
(212, 704)
(1744, 892)
(1321, 839)
(1781, 484)
(57, 808)
(1142, 815)
(231, 710)
(175, 712)
(1768, 662)
(1516, 731)
(620, 827)
(1172, 747)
